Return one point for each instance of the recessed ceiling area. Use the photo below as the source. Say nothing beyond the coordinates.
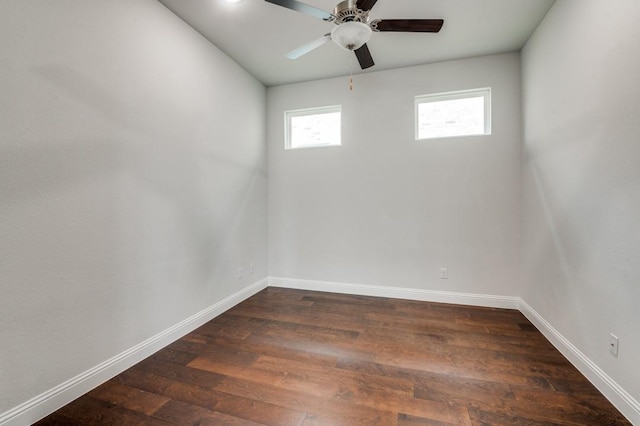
(257, 34)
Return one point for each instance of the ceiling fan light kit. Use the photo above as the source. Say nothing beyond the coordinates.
(353, 28)
(351, 35)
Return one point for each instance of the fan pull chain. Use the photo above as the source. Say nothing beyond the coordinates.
(351, 79)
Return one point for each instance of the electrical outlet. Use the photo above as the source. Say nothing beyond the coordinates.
(444, 273)
(240, 272)
(252, 268)
(613, 344)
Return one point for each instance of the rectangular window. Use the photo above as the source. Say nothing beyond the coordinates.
(463, 113)
(313, 127)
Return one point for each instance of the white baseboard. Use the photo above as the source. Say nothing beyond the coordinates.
(487, 300)
(57, 397)
(621, 399)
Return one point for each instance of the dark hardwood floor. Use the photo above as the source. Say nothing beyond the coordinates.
(290, 357)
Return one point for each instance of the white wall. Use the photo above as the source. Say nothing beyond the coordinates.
(132, 183)
(581, 186)
(384, 209)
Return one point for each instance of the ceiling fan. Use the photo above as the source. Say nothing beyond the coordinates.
(354, 28)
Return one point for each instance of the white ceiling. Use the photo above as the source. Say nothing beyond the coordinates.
(257, 34)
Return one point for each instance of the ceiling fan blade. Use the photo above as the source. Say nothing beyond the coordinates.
(364, 57)
(408, 25)
(365, 4)
(306, 48)
(303, 8)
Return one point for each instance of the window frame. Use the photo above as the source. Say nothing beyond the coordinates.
(288, 115)
(484, 92)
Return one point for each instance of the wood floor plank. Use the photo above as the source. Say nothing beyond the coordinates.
(180, 413)
(316, 420)
(438, 387)
(259, 410)
(290, 347)
(143, 381)
(256, 344)
(179, 373)
(89, 411)
(208, 398)
(59, 419)
(408, 420)
(343, 379)
(131, 398)
(224, 348)
(171, 355)
(239, 371)
(481, 417)
(304, 316)
(294, 357)
(583, 409)
(454, 374)
(337, 409)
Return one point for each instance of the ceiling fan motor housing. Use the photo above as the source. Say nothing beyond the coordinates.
(347, 11)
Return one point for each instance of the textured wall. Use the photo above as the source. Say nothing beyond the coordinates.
(132, 183)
